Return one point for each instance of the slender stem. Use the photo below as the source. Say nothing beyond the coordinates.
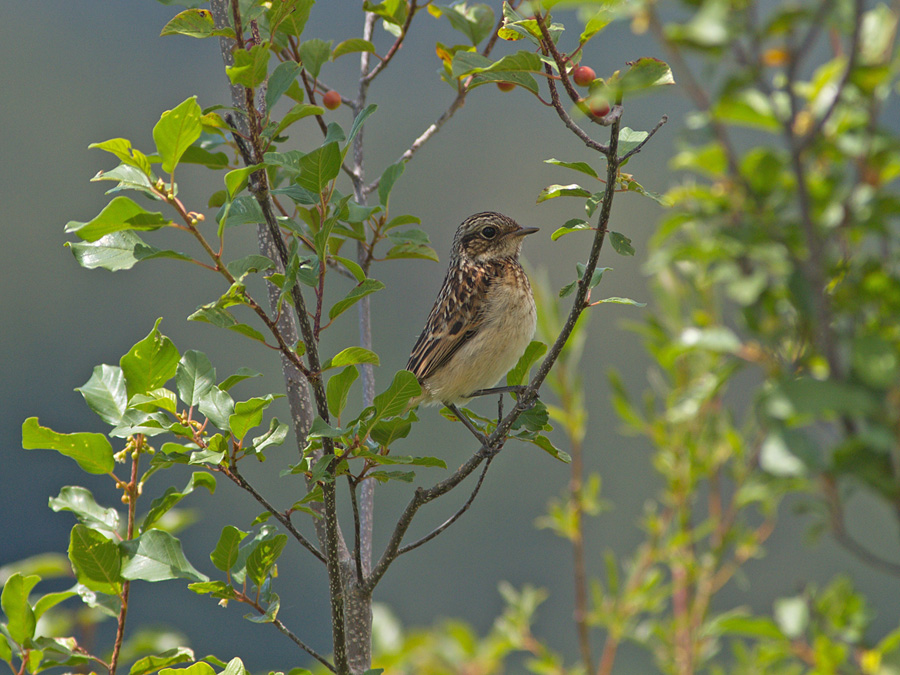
(240, 481)
(452, 519)
(305, 647)
(357, 557)
(131, 493)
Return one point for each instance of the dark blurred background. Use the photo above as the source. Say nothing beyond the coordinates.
(81, 72)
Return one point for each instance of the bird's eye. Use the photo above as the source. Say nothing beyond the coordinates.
(489, 232)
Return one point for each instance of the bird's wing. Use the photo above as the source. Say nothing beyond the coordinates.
(455, 319)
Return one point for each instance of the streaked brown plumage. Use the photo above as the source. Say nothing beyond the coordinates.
(484, 316)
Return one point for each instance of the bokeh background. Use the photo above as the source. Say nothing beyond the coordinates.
(84, 71)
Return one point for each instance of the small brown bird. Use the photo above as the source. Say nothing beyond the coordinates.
(484, 315)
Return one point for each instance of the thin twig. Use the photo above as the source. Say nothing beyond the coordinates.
(305, 647)
(411, 9)
(132, 493)
(640, 146)
(357, 542)
(452, 519)
(235, 476)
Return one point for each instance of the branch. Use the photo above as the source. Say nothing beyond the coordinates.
(614, 114)
(640, 146)
(411, 9)
(452, 519)
(305, 647)
(241, 482)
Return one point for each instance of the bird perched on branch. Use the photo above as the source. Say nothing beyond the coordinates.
(483, 318)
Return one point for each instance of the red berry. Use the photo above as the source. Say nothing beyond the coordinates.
(505, 86)
(598, 106)
(331, 100)
(583, 75)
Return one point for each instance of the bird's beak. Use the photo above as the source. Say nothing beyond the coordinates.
(522, 231)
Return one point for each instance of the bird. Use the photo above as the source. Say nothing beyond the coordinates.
(484, 316)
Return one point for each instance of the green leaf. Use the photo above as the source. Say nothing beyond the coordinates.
(321, 429)
(395, 399)
(352, 45)
(298, 112)
(402, 460)
(81, 502)
(352, 267)
(271, 611)
(239, 376)
(411, 250)
(596, 23)
(225, 555)
(476, 22)
(314, 53)
(749, 108)
(351, 356)
(620, 301)
(274, 436)
(547, 446)
(621, 243)
(49, 601)
(162, 504)
(358, 122)
(320, 167)
(629, 139)
(644, 74)
(554, 191)
(118, 251)
(289, 17)
(218, 316)
(120, 214)
(150, 363)
(105, 393)
(93, 452)
(573, 225)
(156, 556)
(217, 406)
(194, 376)
(235, 181)
(199, 668)
(250, 67)
(131, 178)
(218, 589)
(519, 373)
(387, 180)
(249, 264)
(393, 12)
(248, 414)
(175, 131)
(195, 23)
(96, 560)
(263, 557)
(281, 78)
(357, 293)
(20, 617)
(170, 657)
(385, 432)
(338, 388)
(583, 167)
(121, 148)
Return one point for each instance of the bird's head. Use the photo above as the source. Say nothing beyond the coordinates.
(489, 236)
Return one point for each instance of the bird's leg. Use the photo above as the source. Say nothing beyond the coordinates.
(465, 420)
(512, 389)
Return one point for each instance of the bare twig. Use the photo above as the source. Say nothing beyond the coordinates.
(305, 647)
(452, 519)
(640, 146)
(234, 475)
